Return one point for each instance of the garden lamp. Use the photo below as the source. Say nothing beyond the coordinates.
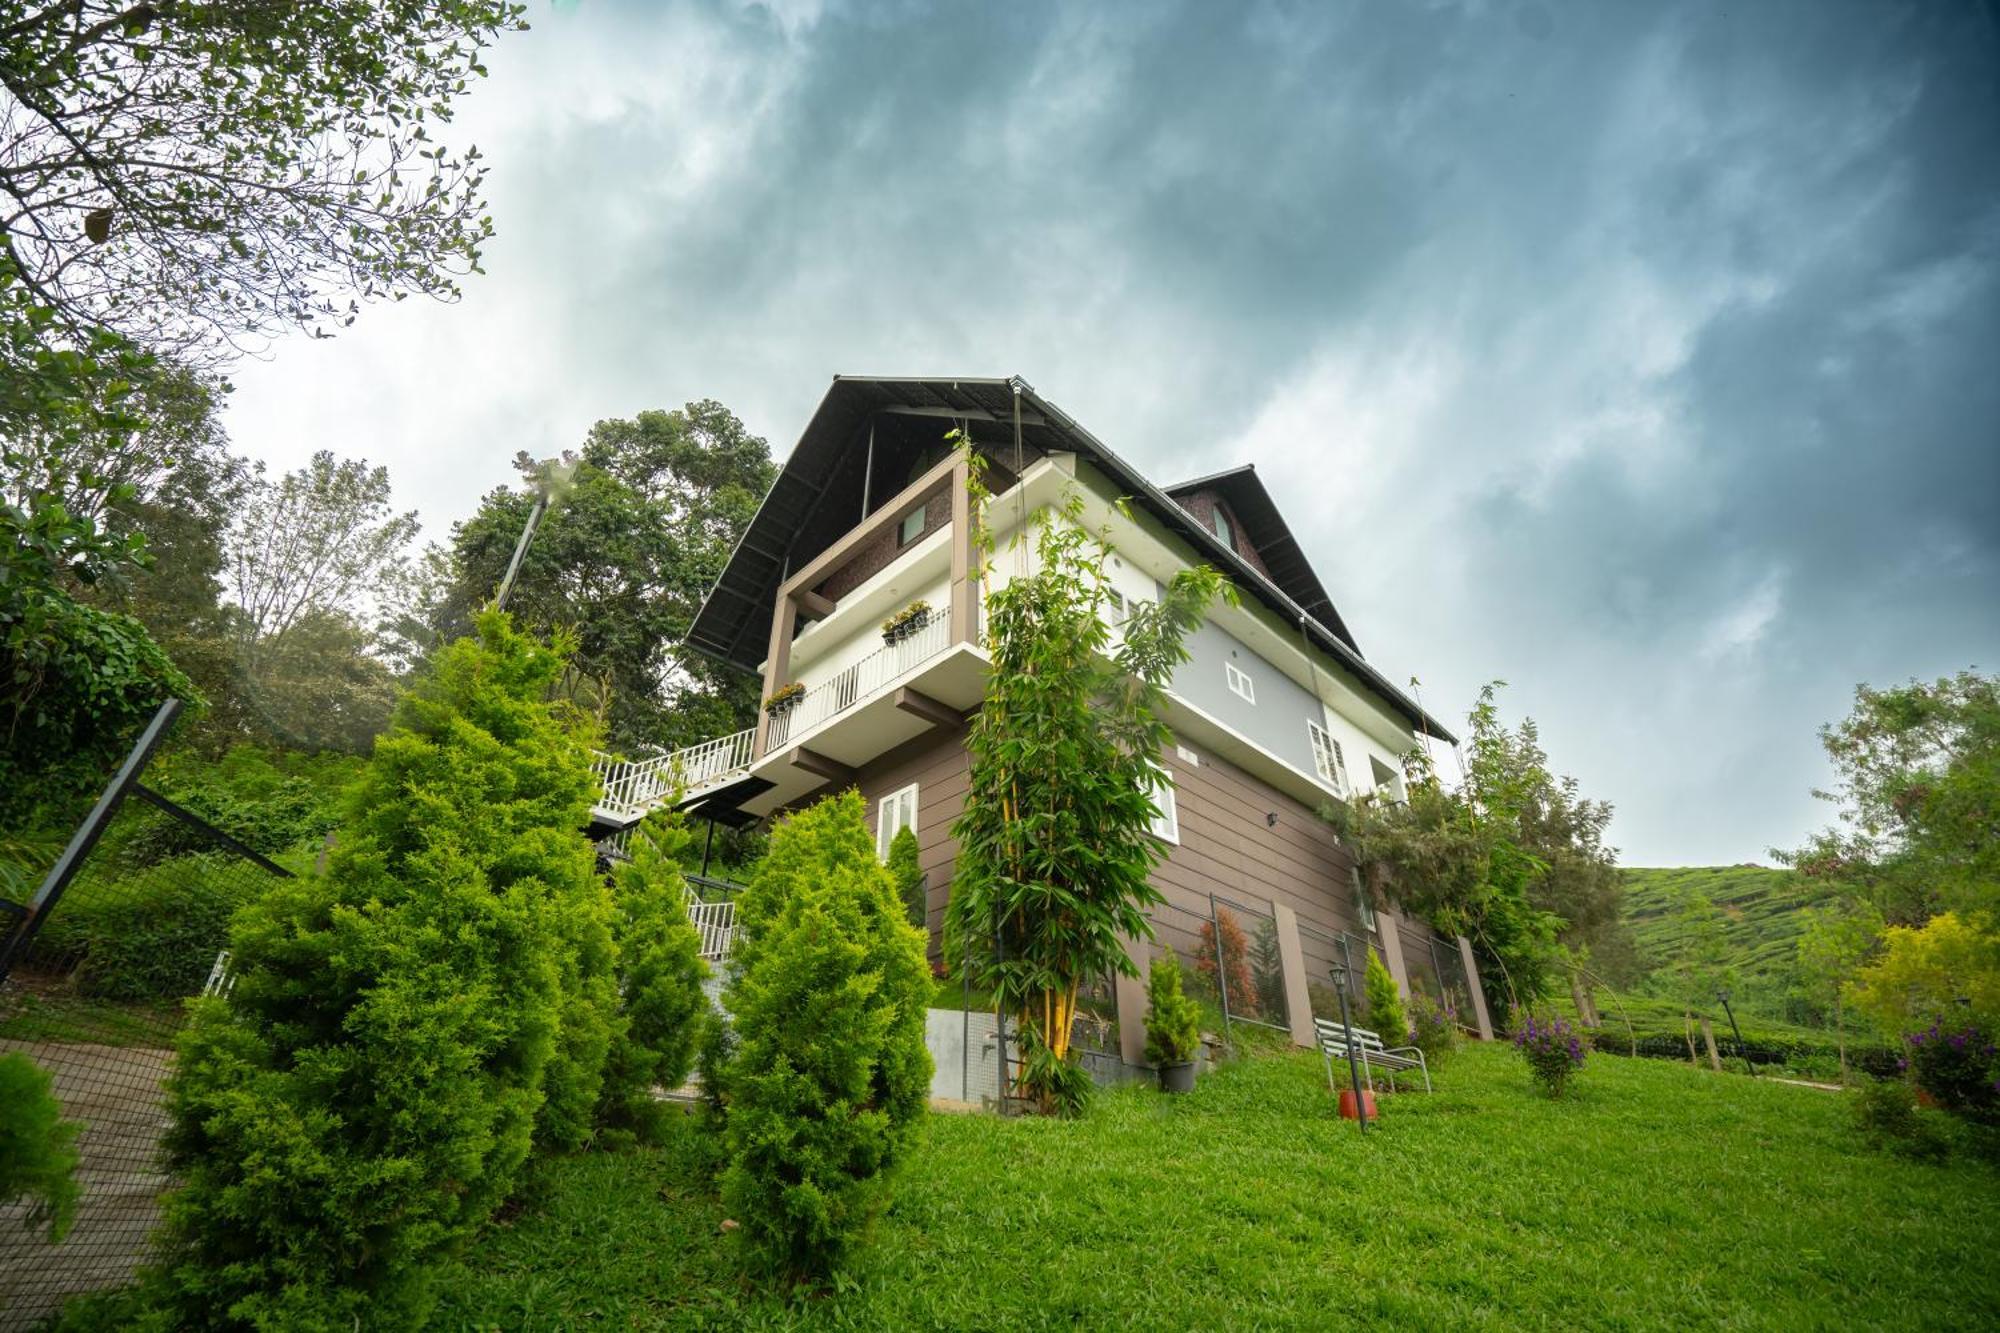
(1339, 973)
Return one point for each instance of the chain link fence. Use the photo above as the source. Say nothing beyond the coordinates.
(97, 961)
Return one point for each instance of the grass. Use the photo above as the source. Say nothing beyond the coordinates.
(1654, 1196)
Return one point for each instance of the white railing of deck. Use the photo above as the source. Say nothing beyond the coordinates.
(632, 787)
(860, 682)
(716, 923)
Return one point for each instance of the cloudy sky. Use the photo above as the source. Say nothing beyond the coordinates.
(1646, 356)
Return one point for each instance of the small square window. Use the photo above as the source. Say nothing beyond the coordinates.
(913, 527)
(1239, 683)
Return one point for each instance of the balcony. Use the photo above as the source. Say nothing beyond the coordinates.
(850, 685)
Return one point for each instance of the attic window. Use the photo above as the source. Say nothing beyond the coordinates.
(1219, 521)
(911, 529)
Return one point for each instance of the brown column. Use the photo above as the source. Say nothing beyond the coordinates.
(1130, 993)
(1389, 929)
(1292, 960)
(1478, 991)
(777, 665)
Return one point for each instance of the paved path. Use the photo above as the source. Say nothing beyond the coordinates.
(116, 1093)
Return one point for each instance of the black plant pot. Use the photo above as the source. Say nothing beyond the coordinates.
(1177, 1077)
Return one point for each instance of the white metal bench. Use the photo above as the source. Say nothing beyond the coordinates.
(1342, 1043)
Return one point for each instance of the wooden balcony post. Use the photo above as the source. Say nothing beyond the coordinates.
(777, 665)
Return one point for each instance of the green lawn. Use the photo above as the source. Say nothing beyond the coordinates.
(1655, 1196)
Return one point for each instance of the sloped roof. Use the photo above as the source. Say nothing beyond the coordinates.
(1267, 532)
(819, 493)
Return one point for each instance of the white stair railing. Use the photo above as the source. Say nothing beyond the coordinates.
(716, 923)
(632, 787)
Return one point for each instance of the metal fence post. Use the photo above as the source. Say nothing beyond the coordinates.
(84, 840)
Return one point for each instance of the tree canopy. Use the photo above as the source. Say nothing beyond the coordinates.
(639, 527)
(193, 175)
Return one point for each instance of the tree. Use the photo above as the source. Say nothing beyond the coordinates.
(1918, 789)
(38, 1153)
(365, 1097)
(907, 871)
(1223, 960)
(1477, 861)
(77, 684)
(1947, 969)
(1700, 962)
(1385, 1002)
(1055, 841)
(1831, 945)
(188, 174)
(639, 527)
(317, 540)
(830, 1073)
(665, 1015)
(1267, 969)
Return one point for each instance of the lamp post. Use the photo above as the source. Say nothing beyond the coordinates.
(1723, 995)
(1339, 971)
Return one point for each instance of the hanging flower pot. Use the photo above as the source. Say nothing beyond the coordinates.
(906, 622)
(785, 699)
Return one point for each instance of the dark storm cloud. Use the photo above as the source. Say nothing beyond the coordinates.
(1641, 354)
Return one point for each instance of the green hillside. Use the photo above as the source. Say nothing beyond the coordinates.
(1760, 907)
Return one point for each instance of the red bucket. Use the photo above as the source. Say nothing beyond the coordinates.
(1347, 1104)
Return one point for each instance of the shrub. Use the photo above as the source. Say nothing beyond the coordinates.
(1956, 1067)
(1385, 1004)
(269, 801)
(150, 934)
(367, 1094)
(1433, 1027)
(665, 1016)
(1885, 1110)
(1173, 1020)
(830, 1072)
(907, 871)
(1267, 970)
(37, 1147)
(1920, 973)
(1234, 961)
(1553, 1049)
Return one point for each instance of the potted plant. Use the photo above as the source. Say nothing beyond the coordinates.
(906, 622)
(1173, 1025)
(784, 699)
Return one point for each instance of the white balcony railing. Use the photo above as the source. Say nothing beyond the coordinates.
(861, 681)
(632, 787)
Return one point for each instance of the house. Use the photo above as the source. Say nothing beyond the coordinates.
(1276, 713)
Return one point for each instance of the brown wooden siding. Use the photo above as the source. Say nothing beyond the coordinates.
(1227, 846)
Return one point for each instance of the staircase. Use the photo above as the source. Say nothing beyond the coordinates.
(634, 787)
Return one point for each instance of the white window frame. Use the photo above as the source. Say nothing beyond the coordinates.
(1327, 758)
(1240, 683)
(894, 812)
(1167, 828)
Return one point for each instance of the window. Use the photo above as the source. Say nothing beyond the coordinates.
(1167, 828)
(1327, 758)
(1219, 522)
(1239, 683)
(1388, 781)
(895, 812)
(913, 527)
(1114, 602)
